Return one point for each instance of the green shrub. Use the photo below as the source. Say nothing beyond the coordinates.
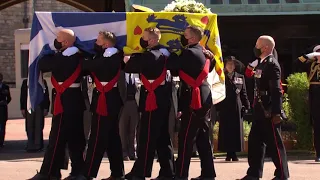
(298, 109)
(190, 6)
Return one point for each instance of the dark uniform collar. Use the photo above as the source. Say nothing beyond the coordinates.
(193, 45)
(157, 47)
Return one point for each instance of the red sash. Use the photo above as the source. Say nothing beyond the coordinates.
(151, 102)
(196, 97)
(60, 88)
(102, 108)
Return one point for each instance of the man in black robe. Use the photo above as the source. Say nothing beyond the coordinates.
(5, 99)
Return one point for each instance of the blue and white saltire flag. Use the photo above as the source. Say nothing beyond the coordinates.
(86, 27)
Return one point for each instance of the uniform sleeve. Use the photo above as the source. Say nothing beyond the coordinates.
(173, 64)
(23, 93)
(46, 99)
(90, 64)
(303, 63)
(244, 95)
(48, 63)
(8, 95)
(135, 62)
(274, 85)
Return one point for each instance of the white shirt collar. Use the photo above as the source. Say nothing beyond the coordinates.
(265, 58)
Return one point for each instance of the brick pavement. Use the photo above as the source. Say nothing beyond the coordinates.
(17, 165)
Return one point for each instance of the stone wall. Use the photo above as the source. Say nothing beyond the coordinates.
(11, 19)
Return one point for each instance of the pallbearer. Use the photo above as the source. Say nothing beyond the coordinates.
(154, 105)
(195, 102)
(67, 123)
(106, 103)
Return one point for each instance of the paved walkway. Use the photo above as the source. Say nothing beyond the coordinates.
(17, 165)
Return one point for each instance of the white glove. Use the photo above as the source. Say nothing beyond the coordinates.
(70, 51)
(312, 55)
(254, 63)
(110, 51)
(165, 52)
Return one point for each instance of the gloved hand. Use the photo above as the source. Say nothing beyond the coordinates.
(254, 63)
(313, 55)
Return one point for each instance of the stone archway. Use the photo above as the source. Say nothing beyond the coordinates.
(84, 5)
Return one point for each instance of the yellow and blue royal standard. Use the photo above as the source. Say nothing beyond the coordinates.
(128, 27)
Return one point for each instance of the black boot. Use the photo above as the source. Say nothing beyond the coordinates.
(249, 178)
(39, 176)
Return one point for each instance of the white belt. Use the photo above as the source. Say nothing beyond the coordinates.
(151, 81)
(104, 83)
(74, 85)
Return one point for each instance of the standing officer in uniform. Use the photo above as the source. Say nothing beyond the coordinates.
(128, 86)
(195, 102)
(154, 106)
(105, 68)
(67, 123)
(265, 128)
(35, 119)
(231, 111)
(310, 64)
(5, 99)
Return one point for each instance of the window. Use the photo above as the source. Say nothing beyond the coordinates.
(253, 1)
(216, 1)
(273, 1)
(234, 1)
(24, 60)
(292, 1)
(311, 1)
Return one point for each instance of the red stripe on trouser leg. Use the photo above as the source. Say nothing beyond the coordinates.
(95, 145)
(184, 145)
(275, 140)
(55, 146)
(147, 146)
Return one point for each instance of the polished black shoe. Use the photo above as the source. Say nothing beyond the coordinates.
(317, 159)
(249, 178)
(70, 178)
(202, 178)
(235, 159)
(132, 158)
(228, 158)
(39, 176)
(81, 177)
(162, 178)
(126, 158)
(277, 178)
(114, 178)
(195, 154)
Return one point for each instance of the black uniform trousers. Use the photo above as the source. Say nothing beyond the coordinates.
(314, 95)
(66, 129)
(195, 127)
(154, 136)
(264, 133)
(34, 129)
(3, 122)
(104, 137)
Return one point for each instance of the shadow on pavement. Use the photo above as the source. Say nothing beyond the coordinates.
(15, 150)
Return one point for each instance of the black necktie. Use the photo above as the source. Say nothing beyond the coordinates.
(130, 79)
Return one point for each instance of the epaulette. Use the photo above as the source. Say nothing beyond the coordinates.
(303, 58)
